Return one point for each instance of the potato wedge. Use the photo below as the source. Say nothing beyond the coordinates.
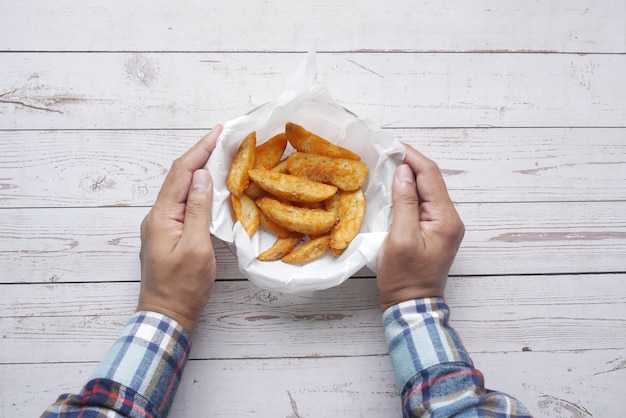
(312, 205)
(266, 155)
(246, 212)
(305, 141)
(292, 188)
(309, 251)
(303, 220)
(281, 247)
(281, 167)
(350, 212)
(243, 161)
(332, 204)
(269, 153)
(272, 226)
(345, 174)
(254, 191)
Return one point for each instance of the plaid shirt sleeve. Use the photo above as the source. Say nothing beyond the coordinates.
(434, 372)
(139, 375)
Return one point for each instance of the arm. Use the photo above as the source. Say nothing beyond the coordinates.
(137, 377)
(140, 373)
(434, 372)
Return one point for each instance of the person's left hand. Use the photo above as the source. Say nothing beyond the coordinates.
(177, 260)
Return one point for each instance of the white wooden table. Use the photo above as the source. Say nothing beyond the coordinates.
(522, 104)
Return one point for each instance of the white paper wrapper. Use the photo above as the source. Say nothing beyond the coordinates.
(308, 104)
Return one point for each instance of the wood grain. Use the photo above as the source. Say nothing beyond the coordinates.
(548, 383)
(127, 168)
(95, 244)
(246, 25)
(83, 91)
(492, 314)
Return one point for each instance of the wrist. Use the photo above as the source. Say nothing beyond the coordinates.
(184, 321)
(390, 298)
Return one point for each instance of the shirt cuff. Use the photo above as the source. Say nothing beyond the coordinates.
(418, 337)
(148, 358)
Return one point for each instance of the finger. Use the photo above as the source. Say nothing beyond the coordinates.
(176, 184)
(405, 223)
(198, 209)
(430, 184)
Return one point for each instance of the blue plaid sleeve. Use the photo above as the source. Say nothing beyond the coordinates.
(434, 372)
(138, 376)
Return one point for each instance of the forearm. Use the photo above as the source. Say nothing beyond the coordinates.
(434, 372)
(138, 376)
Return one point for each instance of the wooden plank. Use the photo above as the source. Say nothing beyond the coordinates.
(565, 384)
(523, 165)
(246, 25)
(541, 238)
(120, 168)
(274, 388)
(492, 314)
(197, 90)
(559, 384)
(87, 168)
(96, 244)
(82, 244)
(241, 321)
(110, 298)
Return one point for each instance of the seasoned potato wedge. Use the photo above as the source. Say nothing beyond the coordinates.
(309, 251)
(350, 212)
(246, 212)
(332, 204)
(254, 191)
(272, 226)
(281, 247)
(292, 188)
(305, 141)
(269, 153)
(303, 220)
(345, 174)
(281, 167)
(243, 161)
(312, 205)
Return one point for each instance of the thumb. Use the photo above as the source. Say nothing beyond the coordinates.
(405, 212)
(198, 207)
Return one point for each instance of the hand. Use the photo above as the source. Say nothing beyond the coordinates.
(177, 260)
(425, 234)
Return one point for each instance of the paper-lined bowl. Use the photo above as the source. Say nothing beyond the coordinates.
(311, 106)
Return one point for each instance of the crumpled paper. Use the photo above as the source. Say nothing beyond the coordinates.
(309, 104)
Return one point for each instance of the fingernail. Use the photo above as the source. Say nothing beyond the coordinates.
(200, 180)
(405, 174)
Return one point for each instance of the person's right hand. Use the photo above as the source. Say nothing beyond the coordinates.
(425, 234)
